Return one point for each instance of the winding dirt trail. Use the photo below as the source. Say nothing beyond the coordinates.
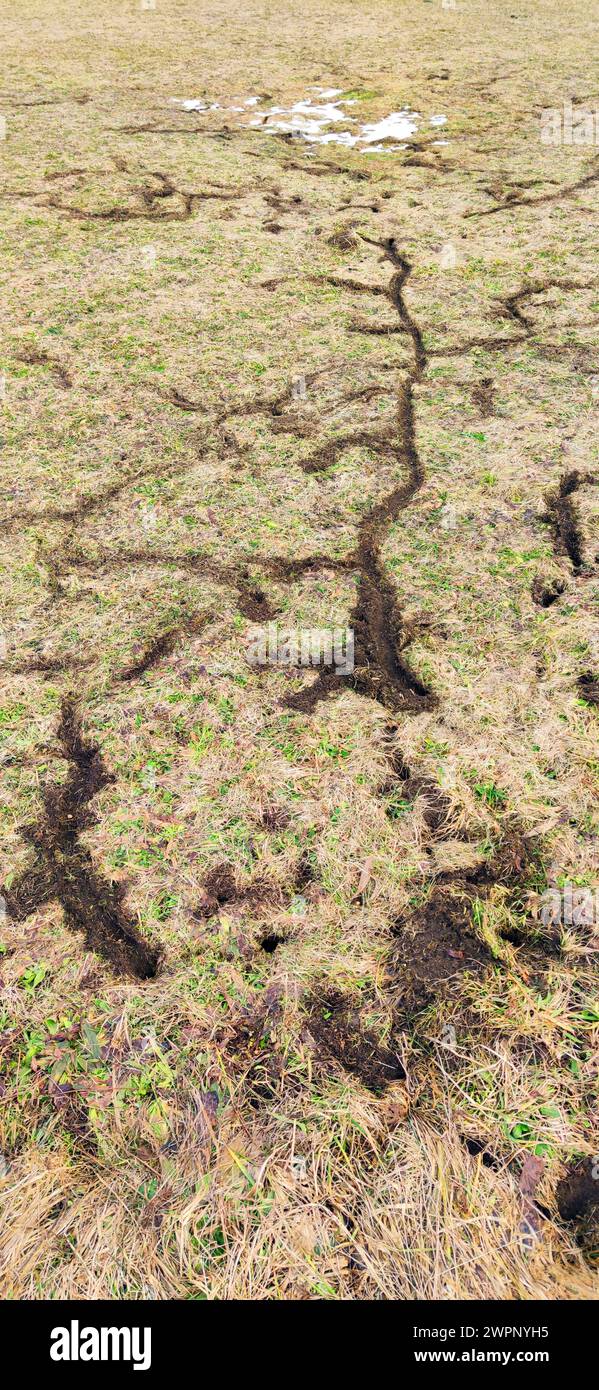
(63, 869)
(380, 633)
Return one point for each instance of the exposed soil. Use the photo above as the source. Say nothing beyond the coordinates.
(588, 685)
(160, 647)
(436, 806)
(251, 1048)
(436, 943)
(181, 203)
(222, 889)
(562, 515)
(334, 1024)
(578, 1191)
(483, 396)
(270, 942)
(34, 357)
(274, 818)
(564, 191)
(510, 306)
(219, 888)
(545, 592)
(253, 602)
(435, 947)
(343, 238)
(577, 1197)
(221, 249)
(478, 1149)
(63, 869)
(381, 673)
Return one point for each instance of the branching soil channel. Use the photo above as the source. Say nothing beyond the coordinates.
(380, 635)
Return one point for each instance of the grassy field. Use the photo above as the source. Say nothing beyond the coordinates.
(281, 1016)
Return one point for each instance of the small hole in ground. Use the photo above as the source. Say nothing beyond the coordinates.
(270, 943)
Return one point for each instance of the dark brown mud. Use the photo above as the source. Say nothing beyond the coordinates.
(152, 197)
(577, 1197)
(381, 672)
(568, 190)
(588, 687)
(436, 944)
(578, 1190)
(511, 306)
(483, 396)
(274, 818)
(343, 238)
(409, 786)
(478, 1149)
(334, 1025)
(562, 516)
(270, 942)
(327, 454)
(221, 888)
(251, 1048)
(62, 869)
(161, 646)
(34, 357)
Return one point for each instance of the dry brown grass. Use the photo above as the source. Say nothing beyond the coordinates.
(187, 1135)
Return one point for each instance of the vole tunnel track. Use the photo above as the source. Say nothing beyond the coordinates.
(380, 634)
(568, 190)
(63, 870)
(562, 516)
(271, 407)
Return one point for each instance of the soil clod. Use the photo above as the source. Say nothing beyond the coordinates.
(588, 685)
(577, 1197)
(334, 1024)
(435, 947)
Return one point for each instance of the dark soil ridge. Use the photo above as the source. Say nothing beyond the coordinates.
(380, 636)
(437, 808)
(161, 646)
(546, 591)
(588, 687)
(35, 357)
(151, 199)
(155, 650)
(151, 196)
(333, 1024)
(252, 600)
(565, 191)
(323, 167)
(63, 868)
(511, 303)
(212, 439)
(562, 515)
(510, 306)
(578, 1190)
(483, 395)
(272, 404)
